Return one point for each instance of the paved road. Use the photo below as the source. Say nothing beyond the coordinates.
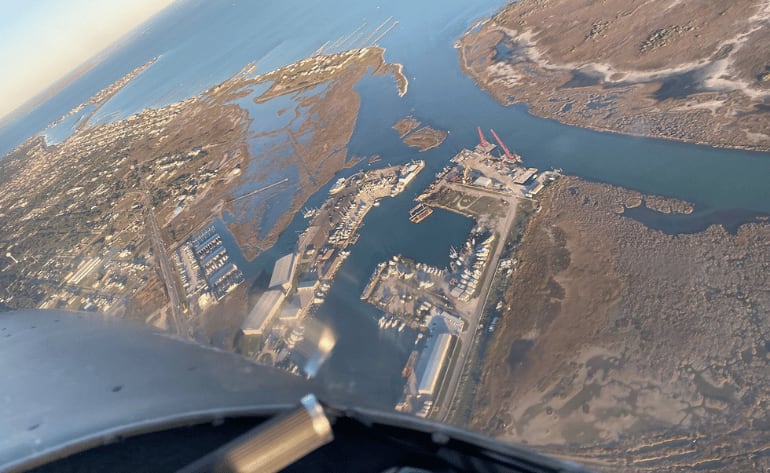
(180, 326)
(467, 337)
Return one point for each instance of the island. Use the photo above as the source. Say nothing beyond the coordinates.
(695, 71)
(416, 135)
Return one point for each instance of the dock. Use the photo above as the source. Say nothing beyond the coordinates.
(419, 213)
(372, 282)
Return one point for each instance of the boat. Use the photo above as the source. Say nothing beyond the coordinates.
(338, 186)
(402, 326)
(408, 173)
(419, 213)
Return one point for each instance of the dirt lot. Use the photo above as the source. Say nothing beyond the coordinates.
(695, 71)
(627, 347)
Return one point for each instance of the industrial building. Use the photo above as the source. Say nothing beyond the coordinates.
(308, 285)
(533, 188)
(432, 363)
(290, 309)
(283, 272)
(482, 181)
(264, 310)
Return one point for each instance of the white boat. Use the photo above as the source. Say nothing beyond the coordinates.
(402, 326)
(338, 186)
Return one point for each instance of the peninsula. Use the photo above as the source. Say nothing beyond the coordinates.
(696, 71)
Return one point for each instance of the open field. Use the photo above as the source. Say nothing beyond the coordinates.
(627, 347)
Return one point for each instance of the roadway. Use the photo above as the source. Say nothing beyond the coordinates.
(180, 326)
(441, 412)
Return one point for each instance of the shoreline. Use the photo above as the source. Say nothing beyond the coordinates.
(632, 316)
(599, 129)
(603, 81)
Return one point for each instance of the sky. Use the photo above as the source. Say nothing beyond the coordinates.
(42, 40)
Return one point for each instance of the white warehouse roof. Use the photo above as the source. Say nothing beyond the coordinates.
(436, 353)
(266, 307)
(282, 271)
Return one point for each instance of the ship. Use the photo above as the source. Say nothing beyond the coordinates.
(338, 186)
(407, 174)
(419, 213)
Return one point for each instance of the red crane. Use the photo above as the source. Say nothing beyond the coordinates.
(481, 138)
(508, 154)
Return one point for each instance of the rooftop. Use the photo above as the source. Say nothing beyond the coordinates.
(435, 354)
(282, 271)
(290, 308)
(267, 305)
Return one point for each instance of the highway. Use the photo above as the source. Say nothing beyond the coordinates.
(178, 320)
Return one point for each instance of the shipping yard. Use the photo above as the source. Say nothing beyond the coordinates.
(276, 328)
(445, 305)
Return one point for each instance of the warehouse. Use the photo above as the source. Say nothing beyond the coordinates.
(431, 364)
(266, 307)
(283, 272)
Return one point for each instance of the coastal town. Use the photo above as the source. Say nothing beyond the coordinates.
(441, 307)
(325, 212)
(445, 305)
(142, 237)
(118, 235)
(275, 327)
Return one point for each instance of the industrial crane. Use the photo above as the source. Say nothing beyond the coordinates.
(508, 154)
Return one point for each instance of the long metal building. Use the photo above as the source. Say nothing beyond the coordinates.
(436, 354)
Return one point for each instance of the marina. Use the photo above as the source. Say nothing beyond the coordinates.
(444, 304)
(364, 363)
(300, 280)
(205, 268)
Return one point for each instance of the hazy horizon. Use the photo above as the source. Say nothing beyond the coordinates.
(67, 36)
